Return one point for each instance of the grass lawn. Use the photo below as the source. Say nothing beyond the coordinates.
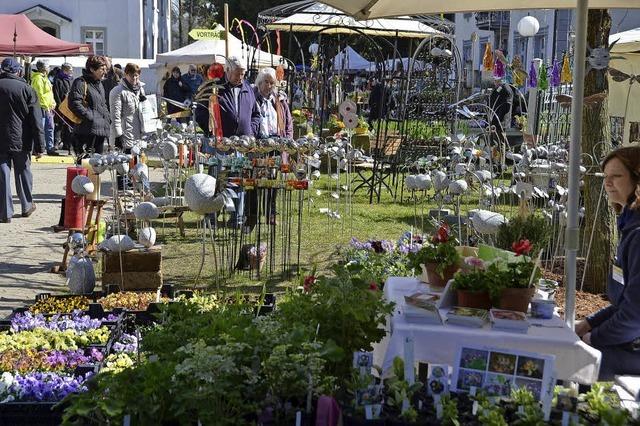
(320, 236)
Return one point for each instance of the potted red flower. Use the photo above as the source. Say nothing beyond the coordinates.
(438, 259)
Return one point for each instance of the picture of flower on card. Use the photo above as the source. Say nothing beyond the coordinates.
(363, 360)
(497, 385)
(530, 367)
(468, 378)
(502, 363)
(474, 358)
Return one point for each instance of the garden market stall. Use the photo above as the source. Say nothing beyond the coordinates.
(384, 8)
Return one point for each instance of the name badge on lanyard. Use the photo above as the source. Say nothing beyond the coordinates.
(617, 275)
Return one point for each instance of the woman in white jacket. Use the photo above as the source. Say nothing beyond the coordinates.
(126, 116)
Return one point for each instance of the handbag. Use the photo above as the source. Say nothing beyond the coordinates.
(66, 111)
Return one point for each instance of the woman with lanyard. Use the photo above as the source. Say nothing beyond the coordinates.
(275, 121)
(615, 330)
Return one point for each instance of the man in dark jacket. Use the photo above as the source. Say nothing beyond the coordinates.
(238, 109)
(61, 86)
(20, 134)
(111, 80)
(176, 89)
(87, 101)
(240, 116)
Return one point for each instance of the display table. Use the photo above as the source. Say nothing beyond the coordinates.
(435, 343)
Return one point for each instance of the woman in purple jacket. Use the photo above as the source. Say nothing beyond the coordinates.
(615, 330)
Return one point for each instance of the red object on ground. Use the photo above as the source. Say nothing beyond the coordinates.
(31, 40)
(74, 209)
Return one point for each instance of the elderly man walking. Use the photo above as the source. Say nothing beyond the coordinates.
(44, 90)
(240, 116)
(20, 134)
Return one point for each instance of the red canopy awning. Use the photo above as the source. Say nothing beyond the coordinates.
(31, 40)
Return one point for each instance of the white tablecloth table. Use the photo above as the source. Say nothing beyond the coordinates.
(435, 343)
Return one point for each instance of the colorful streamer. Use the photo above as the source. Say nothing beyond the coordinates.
(533, 76)
(487, 60)
(555, 74)
(565, 75)
(543, 79)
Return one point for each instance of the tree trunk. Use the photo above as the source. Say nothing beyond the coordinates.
(596, 143)
(180, 37)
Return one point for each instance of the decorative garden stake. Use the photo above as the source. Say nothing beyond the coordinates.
(555, 74)
(487, 60)
(565, 74)
(533, 76)
(543, 81)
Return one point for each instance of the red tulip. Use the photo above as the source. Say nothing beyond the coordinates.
(309, 281)
(373, 286)
(442, 235)
(522, 247)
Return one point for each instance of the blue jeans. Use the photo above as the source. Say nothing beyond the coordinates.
(49, 127)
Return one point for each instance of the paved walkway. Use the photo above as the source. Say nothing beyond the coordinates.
(29, 246)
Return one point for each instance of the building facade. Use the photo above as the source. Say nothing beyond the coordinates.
(500, 29)
(136, 29)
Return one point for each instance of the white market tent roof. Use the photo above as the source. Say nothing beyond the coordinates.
(320, 16)
(628, 41)
(210, 51)
(372, 9)
(349, 59)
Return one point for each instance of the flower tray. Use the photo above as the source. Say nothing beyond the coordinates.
(31, 413)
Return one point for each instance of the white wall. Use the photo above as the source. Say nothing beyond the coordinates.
(123, 20)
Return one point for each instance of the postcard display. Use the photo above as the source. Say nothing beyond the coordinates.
(497, 371)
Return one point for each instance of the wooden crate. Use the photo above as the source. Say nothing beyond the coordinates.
(141, 269)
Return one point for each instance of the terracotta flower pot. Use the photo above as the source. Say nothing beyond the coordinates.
(430, 274)
(473, 299)
(516, 299)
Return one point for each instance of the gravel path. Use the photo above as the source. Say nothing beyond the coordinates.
(29, 246)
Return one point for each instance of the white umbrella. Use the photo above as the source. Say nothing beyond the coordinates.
(371, 9)
(374, 9)
(319, 16)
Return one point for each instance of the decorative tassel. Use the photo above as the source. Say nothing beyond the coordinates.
(543, 80)
(555, 74)
(487, 60)
(519, 76)
(533, 76)
(498, 68)
(565, 75)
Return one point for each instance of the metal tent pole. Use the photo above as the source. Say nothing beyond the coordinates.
(573, 229)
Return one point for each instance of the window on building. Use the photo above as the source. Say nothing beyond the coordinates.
(540, 46)
(467, 49)
(96, 37)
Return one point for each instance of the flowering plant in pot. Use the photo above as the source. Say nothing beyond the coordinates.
(438, 258)
(513, 280)
(472, 284)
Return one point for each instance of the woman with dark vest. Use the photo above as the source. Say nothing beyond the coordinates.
(87, 101)
(615, 330)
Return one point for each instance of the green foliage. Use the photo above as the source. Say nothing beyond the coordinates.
(449, 411)
(374, 260)
(345, 311)
(492, 415)
(532, 415)
(477, 280)
(398, 390)
(523, 396)
(443, 255)
(534, 228)
(603, 404)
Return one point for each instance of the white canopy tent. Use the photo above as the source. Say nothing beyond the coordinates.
(623, 94)
(320, 16)
(371, 9)
(213, 51)
(350, 60)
